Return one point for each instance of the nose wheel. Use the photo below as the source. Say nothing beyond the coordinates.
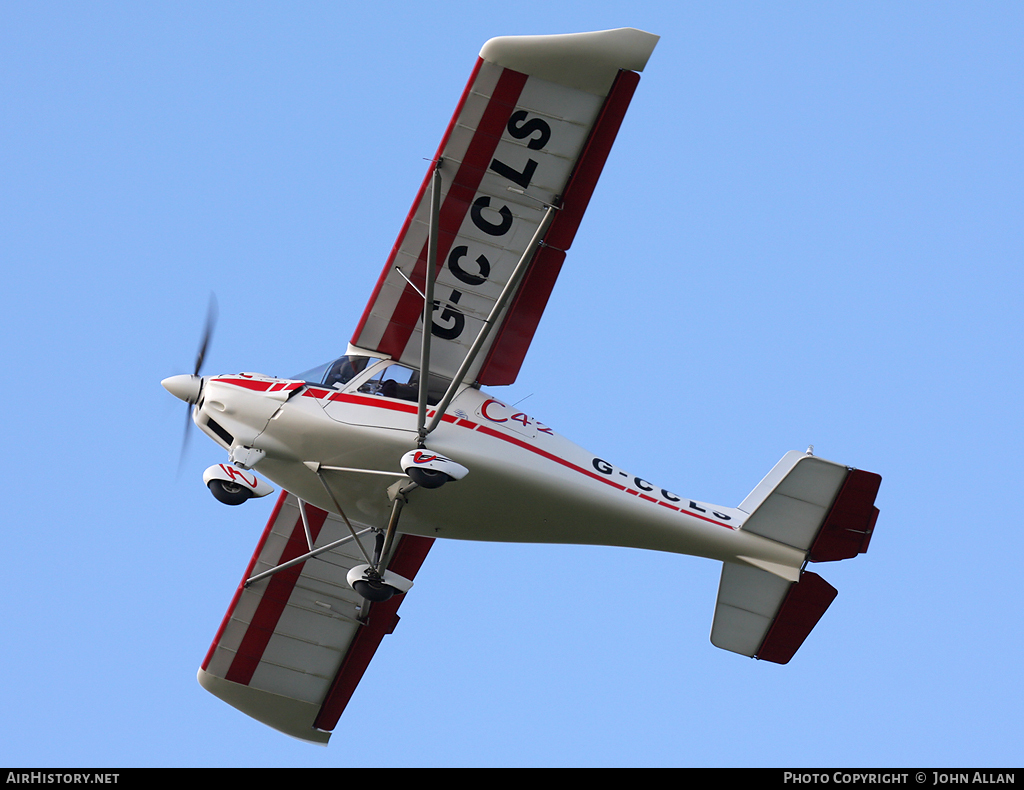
(234, 485)
(229, 493)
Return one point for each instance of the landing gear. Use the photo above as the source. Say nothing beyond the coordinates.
(373, 586)
(233, 485)
(229, 493)
(426, 469)
(374, 591)
(428, 478)
(430, 470)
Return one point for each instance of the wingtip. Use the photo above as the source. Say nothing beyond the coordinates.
(290, 716)
(587, 61)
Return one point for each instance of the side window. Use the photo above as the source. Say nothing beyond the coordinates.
(344, 370)
(336, 373)
(395, 381)
(398, 381)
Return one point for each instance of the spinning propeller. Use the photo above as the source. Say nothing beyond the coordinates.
(188, 387)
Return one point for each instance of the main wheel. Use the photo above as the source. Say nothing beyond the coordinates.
(427, 478)
(374, 591)
(229, 493)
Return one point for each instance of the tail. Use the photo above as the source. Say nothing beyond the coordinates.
(819, 507)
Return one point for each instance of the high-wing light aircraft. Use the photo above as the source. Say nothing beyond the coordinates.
(395, 444)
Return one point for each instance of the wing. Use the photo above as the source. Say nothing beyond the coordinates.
(293, 646)
(533, 128)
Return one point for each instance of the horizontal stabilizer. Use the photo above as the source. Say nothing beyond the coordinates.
(816, 506)
(851, 521)
(802, 608)
(763, 616)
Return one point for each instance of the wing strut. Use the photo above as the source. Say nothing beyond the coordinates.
(305, 523)
(428, 304)
(398, 492)
(315, 467)
(307, 556)
(506, 294)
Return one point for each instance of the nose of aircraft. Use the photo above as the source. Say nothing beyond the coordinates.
(185, 386)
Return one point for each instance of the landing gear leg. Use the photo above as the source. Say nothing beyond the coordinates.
(371, 583)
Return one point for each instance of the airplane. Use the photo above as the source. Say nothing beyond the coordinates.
(394, 444)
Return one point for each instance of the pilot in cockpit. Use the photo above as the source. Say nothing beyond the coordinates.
(343, 370)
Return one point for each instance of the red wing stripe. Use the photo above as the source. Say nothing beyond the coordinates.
(275, 598)
(416, 203)
(409, 555)
(248, 572)
(516, 333)
(456, 205)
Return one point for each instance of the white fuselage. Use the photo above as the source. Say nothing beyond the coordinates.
(525, 484)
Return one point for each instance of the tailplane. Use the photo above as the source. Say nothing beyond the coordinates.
(821, 508)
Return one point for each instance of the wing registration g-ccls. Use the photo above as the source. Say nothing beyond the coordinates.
(532, 130)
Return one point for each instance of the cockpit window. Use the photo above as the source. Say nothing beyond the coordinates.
(344, 370)
(398, 381)
(391, 381)
(335, 373)
(394, 381)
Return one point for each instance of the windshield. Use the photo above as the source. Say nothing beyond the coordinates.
(335, 373)
(391, 381)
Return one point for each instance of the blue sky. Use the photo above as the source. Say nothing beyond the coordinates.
(809, 232)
